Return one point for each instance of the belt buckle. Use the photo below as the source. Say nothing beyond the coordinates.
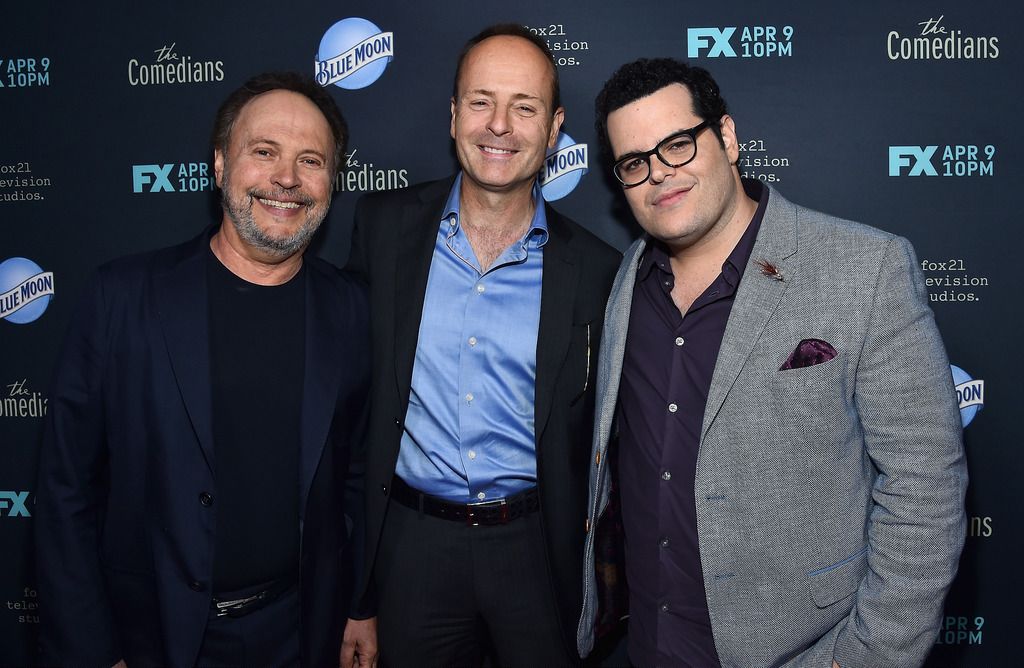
(501, 504)
(225, 608)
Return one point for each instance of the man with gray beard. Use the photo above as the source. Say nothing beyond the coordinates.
(196, 503)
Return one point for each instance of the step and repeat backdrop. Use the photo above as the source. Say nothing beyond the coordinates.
(905, 116)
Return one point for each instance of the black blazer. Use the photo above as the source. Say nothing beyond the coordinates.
(392, 246)
(124, 543)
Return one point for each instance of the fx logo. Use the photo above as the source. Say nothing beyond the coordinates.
(901, 156)
(158, 175)
(13, 504)
(702, 38)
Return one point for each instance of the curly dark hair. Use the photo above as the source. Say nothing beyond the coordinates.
(645, 76)
(510, 30)
(304, 85)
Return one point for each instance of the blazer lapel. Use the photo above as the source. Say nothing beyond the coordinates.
(613, 341)
(756, 299)
(415, 238)
(322, 377)
(558, 293)
(181, 305)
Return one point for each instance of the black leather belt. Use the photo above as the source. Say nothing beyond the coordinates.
(239, 604)
(500, 511)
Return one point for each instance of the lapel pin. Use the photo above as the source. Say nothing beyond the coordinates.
(770, 270)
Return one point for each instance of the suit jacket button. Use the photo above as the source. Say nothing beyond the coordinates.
(206, 499)
(195, 585)
(384, 488)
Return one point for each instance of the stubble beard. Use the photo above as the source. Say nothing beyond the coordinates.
(239, 210)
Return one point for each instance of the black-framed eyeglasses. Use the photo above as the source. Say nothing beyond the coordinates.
(675, 151)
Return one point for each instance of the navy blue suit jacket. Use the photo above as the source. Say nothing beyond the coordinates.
(124, 545)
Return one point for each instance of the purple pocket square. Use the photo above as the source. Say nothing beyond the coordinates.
(808, 353)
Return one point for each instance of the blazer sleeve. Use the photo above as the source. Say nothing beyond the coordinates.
(360, 607)
(905, 400)
(77, 623)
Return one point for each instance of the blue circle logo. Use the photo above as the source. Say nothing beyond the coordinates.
(970, 394)
(564, 166)
(25, 290)
(353, 54)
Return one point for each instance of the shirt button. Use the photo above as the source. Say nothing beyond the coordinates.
(451, 221)
(481, 496)
(664, 607)
(666, 475)
(679, 341)
(472, 454)
(472, 340)
(664, 541)
(480, 288)
(469, 398)
(672, 408)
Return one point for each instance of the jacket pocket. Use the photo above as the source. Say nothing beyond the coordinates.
(835, 582)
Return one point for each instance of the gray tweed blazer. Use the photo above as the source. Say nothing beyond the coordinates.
(830, 498)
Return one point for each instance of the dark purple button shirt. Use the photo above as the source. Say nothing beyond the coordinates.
(666, 373)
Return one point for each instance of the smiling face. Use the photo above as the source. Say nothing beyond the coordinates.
(680, 206)
(502, 120)
(275, 174)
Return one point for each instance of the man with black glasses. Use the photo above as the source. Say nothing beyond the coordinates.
(777, 399)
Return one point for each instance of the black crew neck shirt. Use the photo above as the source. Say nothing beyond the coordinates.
(257, 352)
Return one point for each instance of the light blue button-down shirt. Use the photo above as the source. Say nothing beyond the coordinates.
(469, 430)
